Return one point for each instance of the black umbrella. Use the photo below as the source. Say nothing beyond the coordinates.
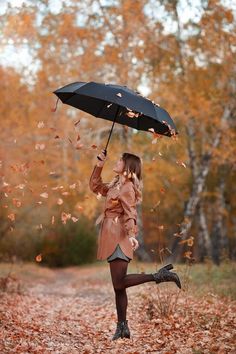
(117, 104)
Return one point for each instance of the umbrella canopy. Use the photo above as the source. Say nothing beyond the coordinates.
(117, 104)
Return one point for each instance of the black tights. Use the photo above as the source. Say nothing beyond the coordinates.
(121, 281)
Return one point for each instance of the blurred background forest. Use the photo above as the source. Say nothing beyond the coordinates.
(179, 53)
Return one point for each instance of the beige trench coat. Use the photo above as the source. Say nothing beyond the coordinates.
(119, 217)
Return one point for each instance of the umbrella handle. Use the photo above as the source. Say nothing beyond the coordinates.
(105, 153)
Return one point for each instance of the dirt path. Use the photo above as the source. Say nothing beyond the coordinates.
(72, 310)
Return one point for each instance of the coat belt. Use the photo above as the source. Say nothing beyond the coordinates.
(104, 215)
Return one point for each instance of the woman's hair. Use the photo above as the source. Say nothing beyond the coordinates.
(133, 172)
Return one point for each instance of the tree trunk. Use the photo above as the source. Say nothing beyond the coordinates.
(204, 241)
(219, 235)
(199, 173)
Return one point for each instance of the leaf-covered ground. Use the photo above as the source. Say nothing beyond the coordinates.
(72, 310)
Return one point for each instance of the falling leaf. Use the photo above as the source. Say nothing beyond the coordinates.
(58, 187)
(39, 227)
(130, 114)
(72, 186)
(20, 186)
(187, 254)
(77, 122)
(38, 258)
(40, 124)
(79, 207)
(39, 146)
(59, 201)
(16, 202)
(44, 195)
(79, 146)
(65, 217)
(11, 216)
(181, 163)
(177, 234)
(162, 190)
(53, 220)
(99, 195)
(151, 130)
(190, 241)
(52, 173)
(65, 193)
(159, 153)
(74, 219)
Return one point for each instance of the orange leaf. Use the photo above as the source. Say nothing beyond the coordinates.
(11, 216)
(38, 258)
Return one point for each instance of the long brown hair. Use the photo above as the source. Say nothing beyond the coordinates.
(133, 172)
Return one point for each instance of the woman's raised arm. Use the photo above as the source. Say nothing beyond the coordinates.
(96, 184)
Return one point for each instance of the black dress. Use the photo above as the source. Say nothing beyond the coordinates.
(118, 253)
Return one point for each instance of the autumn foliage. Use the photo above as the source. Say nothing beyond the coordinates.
(47, 156)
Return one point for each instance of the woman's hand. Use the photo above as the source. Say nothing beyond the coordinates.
(134, 243)
(103, 157)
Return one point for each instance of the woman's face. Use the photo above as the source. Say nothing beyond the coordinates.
(119, 166)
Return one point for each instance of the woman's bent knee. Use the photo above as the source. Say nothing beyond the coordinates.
(118, 286)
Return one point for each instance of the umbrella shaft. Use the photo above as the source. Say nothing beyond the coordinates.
(117, 111)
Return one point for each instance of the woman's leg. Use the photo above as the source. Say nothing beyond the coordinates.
(118, 271)
(121, 281)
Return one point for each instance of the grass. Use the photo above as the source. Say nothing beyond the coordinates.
(200, 279)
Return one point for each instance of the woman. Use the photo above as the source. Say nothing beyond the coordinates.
(117, 236)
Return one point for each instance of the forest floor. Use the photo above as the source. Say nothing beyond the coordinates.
(72, 310)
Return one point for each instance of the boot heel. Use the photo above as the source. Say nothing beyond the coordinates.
(164, 275)
(168, 266)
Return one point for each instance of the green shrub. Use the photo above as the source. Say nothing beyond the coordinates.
(69, 244)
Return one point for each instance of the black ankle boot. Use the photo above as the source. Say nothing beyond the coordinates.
(164, 275)
(118, 331)
(122, 330)
(126, 331)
